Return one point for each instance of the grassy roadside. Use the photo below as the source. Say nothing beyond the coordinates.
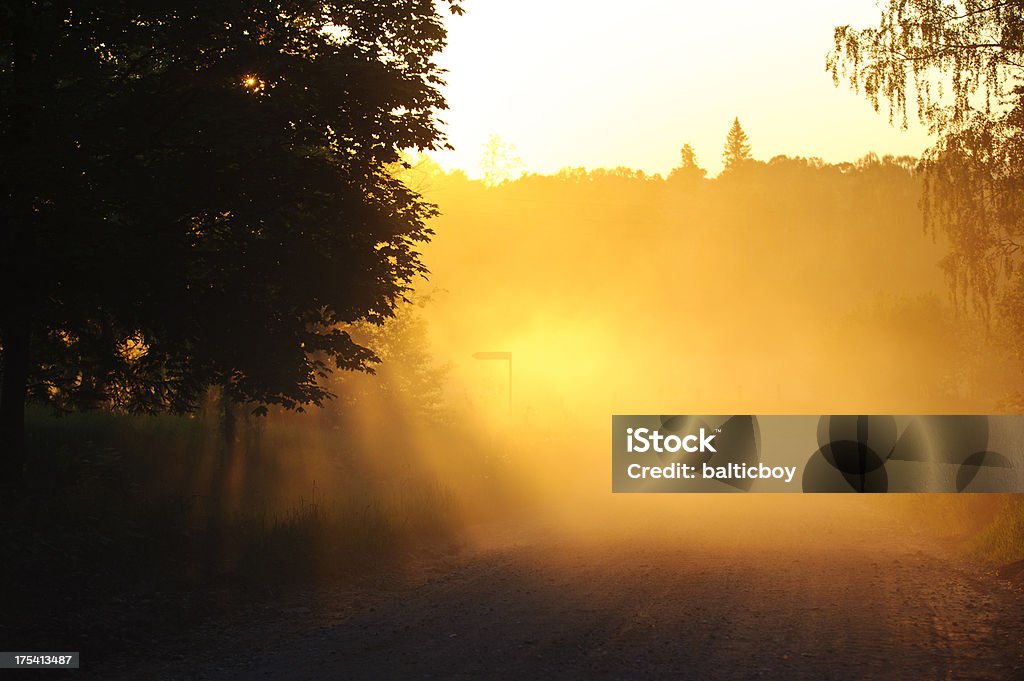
(988, 527)
(132, 528)
(1001, 541)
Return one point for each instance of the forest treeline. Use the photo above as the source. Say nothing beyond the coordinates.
(791, 285)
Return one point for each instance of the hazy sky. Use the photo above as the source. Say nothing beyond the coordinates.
(604, 84)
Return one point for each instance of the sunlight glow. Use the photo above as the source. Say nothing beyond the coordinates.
(253, 83)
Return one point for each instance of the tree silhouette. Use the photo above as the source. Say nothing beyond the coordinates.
(499, 161)
(737, 147)
(961, 62)
(203, 194)
(689, 169)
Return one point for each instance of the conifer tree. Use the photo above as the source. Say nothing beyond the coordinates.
(737, 147)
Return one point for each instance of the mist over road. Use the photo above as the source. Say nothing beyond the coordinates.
(729, 589)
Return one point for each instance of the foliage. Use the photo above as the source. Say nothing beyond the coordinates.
(973, 188)
(499, 161)
(202, 193)
(940, 52)
(409, 378)
(959, 62)
(689, 169)
(737, 147)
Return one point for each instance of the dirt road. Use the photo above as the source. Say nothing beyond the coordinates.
(794, 594)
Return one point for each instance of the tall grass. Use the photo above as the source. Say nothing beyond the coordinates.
(986, 527)
(1002, 540)
(118, 508)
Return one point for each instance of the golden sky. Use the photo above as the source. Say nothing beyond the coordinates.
(605, 84)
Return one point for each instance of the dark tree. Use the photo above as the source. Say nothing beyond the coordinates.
(961, 63)
(737, 147)
(689, 169)
(203, 193)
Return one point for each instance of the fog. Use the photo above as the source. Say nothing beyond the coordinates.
(786, 287)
